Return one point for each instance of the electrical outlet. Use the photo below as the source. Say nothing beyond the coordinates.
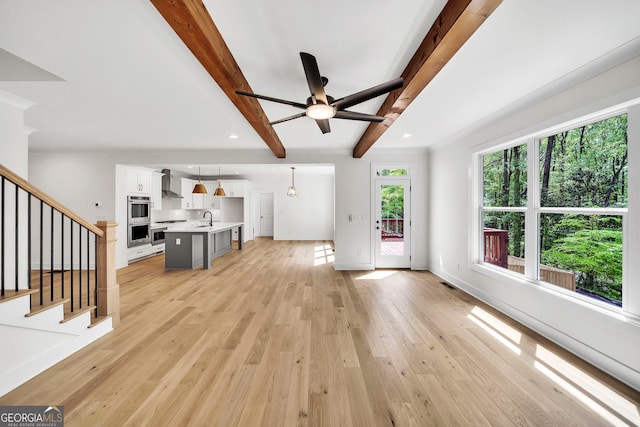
(178, 241)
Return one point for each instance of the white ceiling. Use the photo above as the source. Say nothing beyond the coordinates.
(129, 83)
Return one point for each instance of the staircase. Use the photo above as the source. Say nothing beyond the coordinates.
(57, 281)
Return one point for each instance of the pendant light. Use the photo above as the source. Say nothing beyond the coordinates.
(291, 191)
(199, 188)
(219, 190)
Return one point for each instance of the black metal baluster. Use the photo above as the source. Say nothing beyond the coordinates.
(51, 253)
(62, 255)
(71, 258)
(88, 271)
(41, 252)
(16, 257)
(29, 218)
(79, 267)
(95, 270)
(2, 246)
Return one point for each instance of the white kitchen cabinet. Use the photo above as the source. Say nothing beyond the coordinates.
(138, 181)
(211, 201)
(197, 199)
(186, 188)
(139, 252)
(236, 187)
(190, 200)
(156, 190)
(236, 206)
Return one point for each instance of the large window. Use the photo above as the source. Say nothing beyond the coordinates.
(571, 220)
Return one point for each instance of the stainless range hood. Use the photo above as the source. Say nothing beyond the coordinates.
(167, 193)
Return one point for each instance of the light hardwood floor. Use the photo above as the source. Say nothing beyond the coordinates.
(272, 335)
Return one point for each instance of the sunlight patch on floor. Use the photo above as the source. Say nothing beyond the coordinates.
(494, 333)
(376, 275)
(614, 408)
(497, 324)
(323, 255)
(606, 402)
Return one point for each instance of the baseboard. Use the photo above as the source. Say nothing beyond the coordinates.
(611, 366)
(355, 267)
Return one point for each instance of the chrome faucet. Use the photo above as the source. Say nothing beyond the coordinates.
(204, 215)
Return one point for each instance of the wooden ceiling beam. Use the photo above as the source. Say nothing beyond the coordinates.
(193, 24)
(456, 23)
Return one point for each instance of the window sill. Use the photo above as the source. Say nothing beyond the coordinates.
(507, 276)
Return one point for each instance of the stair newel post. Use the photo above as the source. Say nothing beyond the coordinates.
(108, 289)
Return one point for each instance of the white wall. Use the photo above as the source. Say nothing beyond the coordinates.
(354, 239)
(306, 217)
(14, 156)
(14, 147)
(608, 340)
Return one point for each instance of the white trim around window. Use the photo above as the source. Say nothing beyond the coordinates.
(630, 215)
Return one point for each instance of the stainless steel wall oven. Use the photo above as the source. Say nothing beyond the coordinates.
(138, 220)
(138, 209)
(139, 234)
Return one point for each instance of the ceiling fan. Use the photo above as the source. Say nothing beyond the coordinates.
(322, 107)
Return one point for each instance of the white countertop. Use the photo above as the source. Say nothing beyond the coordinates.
(199, 228)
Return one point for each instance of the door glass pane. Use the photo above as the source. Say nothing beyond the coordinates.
(392, 220)
(392, 172)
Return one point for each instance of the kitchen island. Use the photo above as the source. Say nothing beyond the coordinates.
(190, 246)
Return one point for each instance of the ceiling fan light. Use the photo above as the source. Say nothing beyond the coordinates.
(321, 111)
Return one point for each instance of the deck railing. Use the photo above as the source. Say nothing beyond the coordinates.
(496, 246)
(392, 228)
(45, 246)
(496, 252)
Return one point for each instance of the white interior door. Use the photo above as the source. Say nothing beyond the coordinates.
(392, 223)
(266, 214)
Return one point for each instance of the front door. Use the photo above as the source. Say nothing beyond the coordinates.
(392, 223)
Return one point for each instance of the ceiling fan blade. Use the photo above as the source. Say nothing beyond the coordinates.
(352, 115)
(314, 80)
(268, 98)
(286, 119)
(368, 94)
(324, 125)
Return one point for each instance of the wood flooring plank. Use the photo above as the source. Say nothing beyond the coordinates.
(373, 379)
(273, 335)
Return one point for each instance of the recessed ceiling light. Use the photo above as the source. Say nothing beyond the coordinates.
(233, 136)
(406, 135)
